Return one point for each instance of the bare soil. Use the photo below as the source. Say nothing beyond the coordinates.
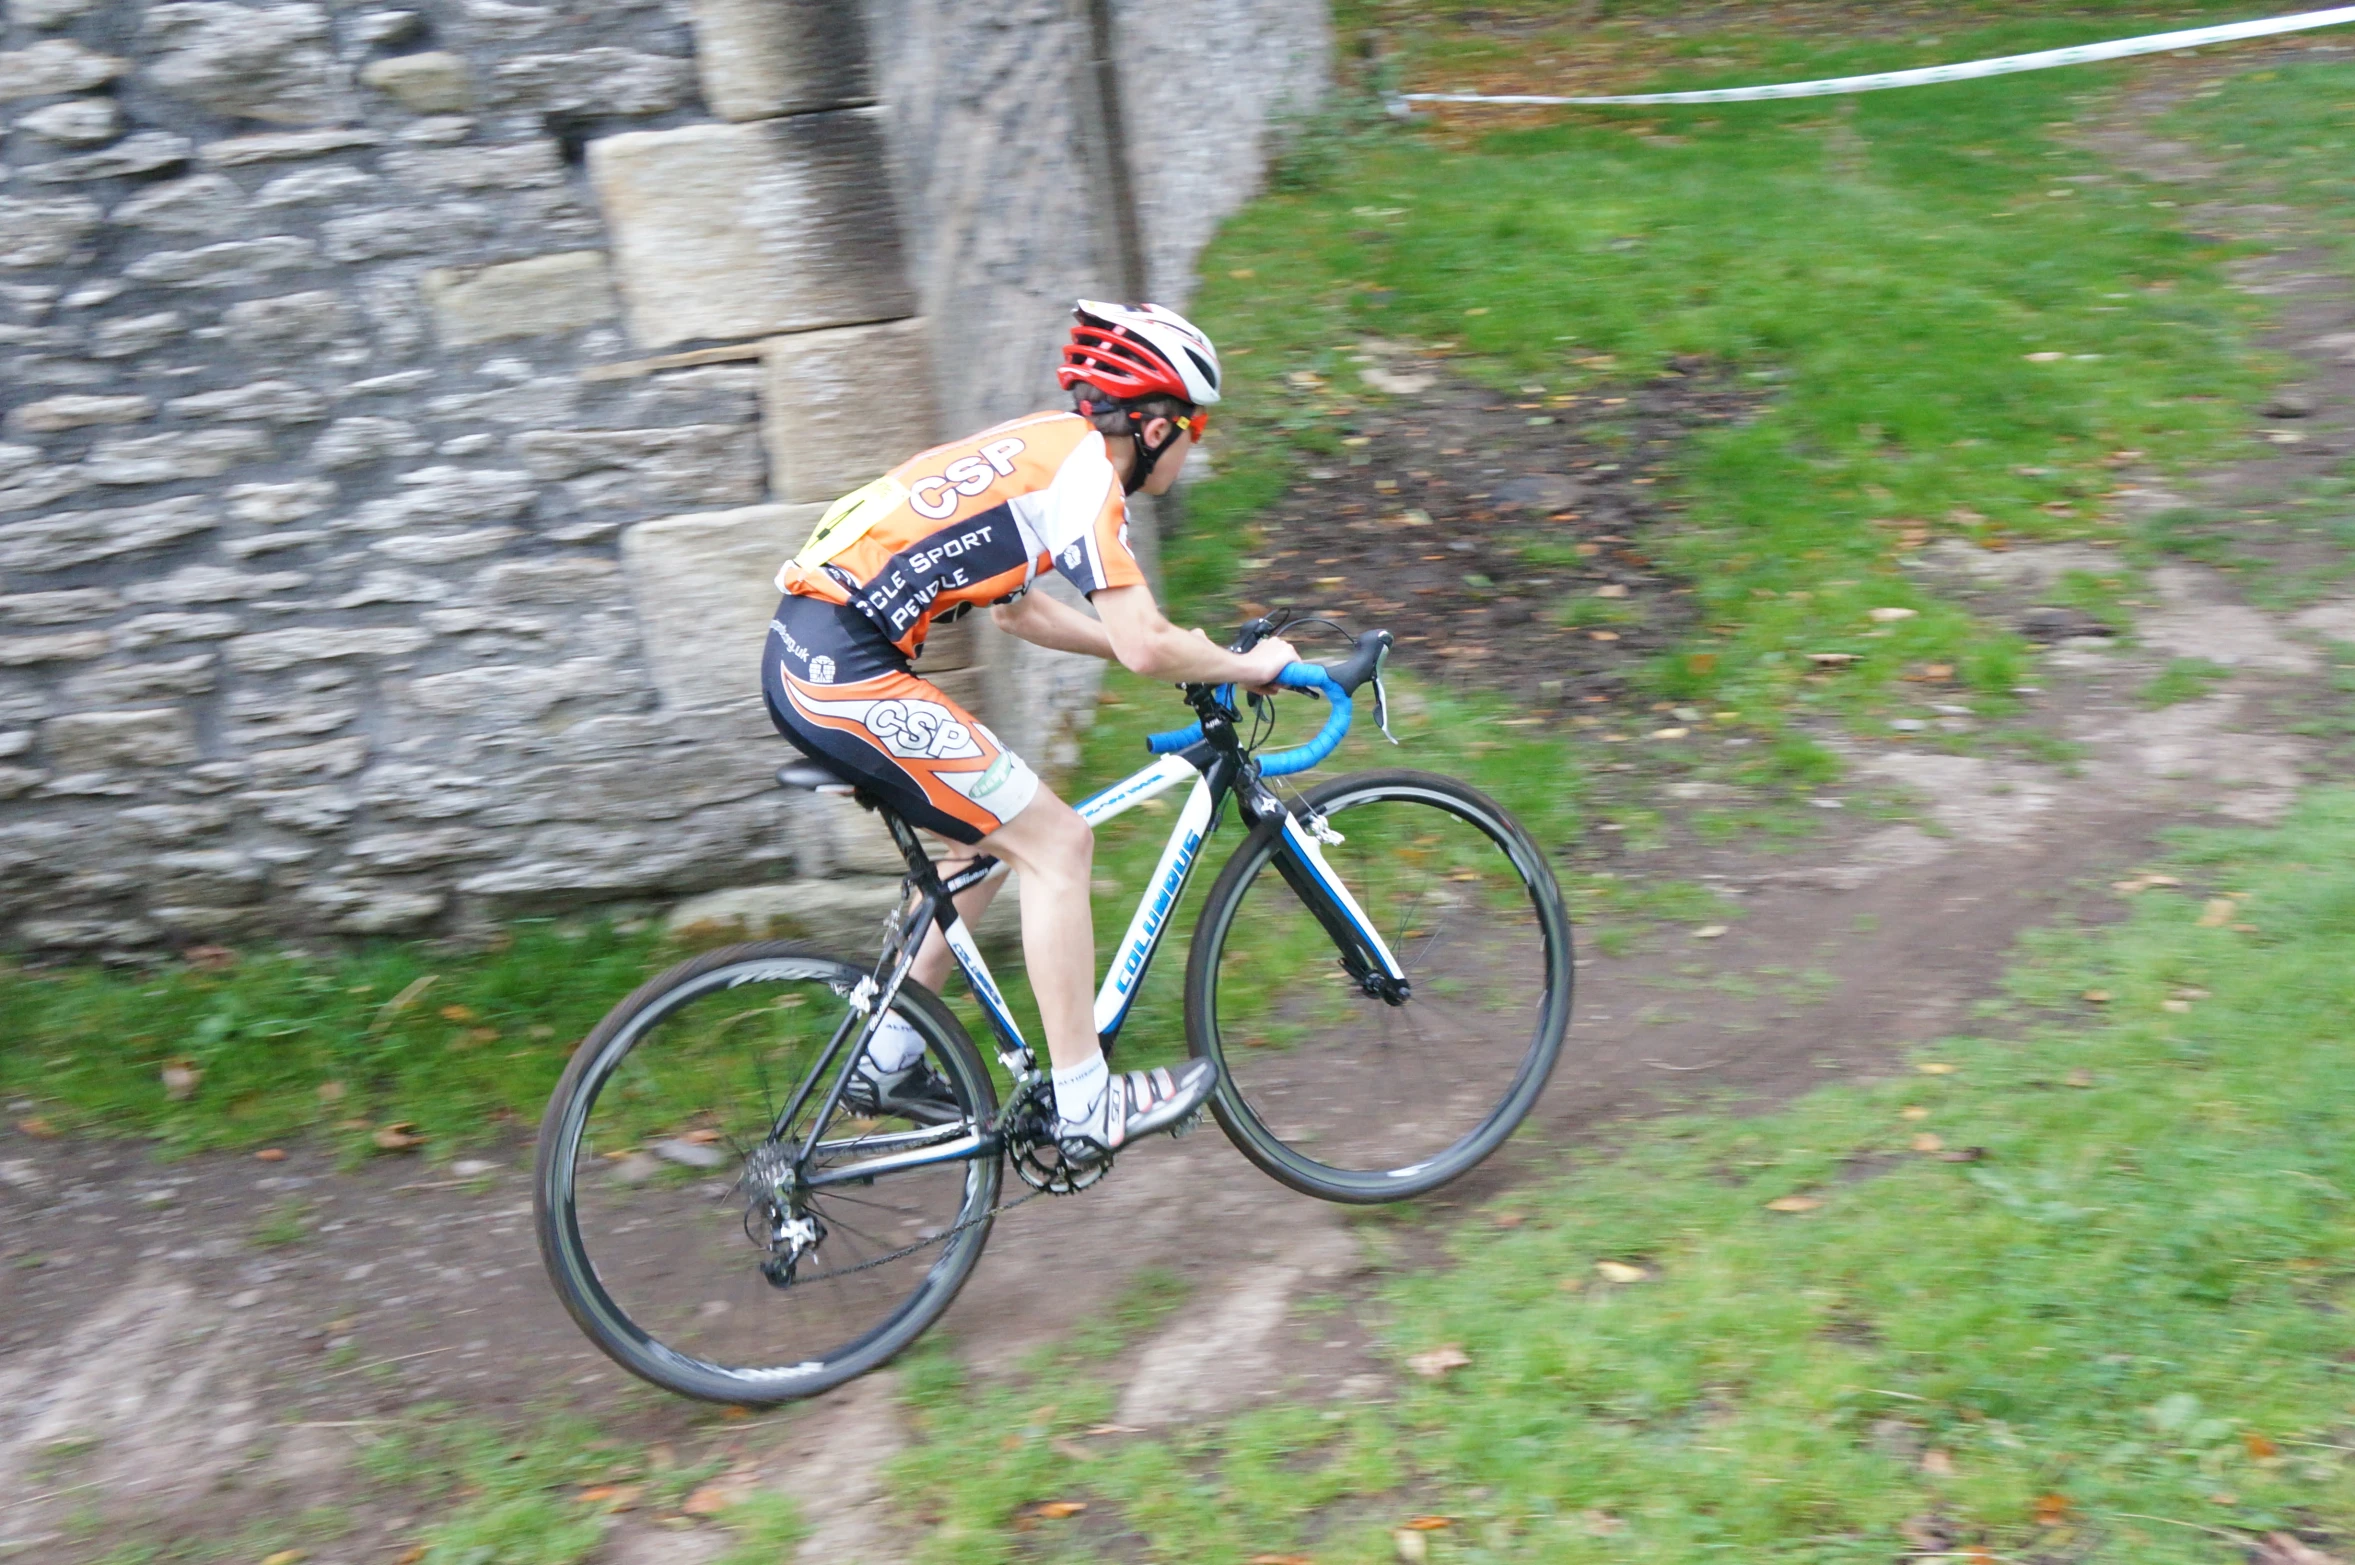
(168, 1373)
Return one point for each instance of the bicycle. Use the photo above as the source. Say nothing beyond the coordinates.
(734, 1241)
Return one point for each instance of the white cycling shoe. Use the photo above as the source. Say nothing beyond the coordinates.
(1139, 1103)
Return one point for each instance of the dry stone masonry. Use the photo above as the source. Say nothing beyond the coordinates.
(404, 405)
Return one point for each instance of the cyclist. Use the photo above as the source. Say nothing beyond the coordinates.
(972, 524)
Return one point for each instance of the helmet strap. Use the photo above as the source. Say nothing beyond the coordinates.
(1147, 457)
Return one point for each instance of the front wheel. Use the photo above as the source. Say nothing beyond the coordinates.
(1341, 1085)
(684, 1226)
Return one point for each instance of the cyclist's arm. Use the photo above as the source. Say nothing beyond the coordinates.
(1145, 641)
(1049, 622)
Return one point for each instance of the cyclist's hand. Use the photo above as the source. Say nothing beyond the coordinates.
(1265, 661)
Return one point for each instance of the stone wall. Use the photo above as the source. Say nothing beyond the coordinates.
(403, 408)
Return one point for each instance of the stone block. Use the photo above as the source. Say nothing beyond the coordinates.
(29, 489)
(563, 579)
(274, 505)
(149, 152)
(233, 263)
(374, 236)
(355, 442)
(703, 588)
(441, 497)
(79, 122)
(269, 650)
(302, 763)
(214, 584)
(763, 58)
(289, 322)
(435, 83)
(841, 406)
(46, 230)
(55, 415)
(159, 459)
(65, 647)
(281, 146)
(312, 186)
(273, 63)
(735, 231)
(117, 741)
(600, 80)
(137, 334)
(209, 204)
(523, 165)
(131, 684)
(70, 606)
(155, 630)
(70, 538)
(54, 66)
(49, 13)
(540, 297)
(446, 548)
(262, 402)
(365, 908)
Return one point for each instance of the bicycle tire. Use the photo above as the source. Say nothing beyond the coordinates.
(1244, 1121)
(557, 1185)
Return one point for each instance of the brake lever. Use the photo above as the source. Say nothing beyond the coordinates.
(1382, 709)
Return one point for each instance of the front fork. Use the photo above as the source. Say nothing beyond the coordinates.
(1300, 859)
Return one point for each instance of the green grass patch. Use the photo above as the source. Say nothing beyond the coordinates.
(2184, 679)
(1971, 318)
(2093, 1317)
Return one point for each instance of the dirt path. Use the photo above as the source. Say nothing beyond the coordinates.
(169, 1369)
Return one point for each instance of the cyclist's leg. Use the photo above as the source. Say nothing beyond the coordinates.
(1054, 852)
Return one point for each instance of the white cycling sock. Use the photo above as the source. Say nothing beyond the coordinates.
(895, 1046)
(1083, 1099)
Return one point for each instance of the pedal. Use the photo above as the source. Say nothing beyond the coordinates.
(1186, 1126)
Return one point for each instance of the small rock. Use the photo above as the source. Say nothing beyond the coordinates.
(473, 1168)
(635, 1169)
(2050, 623)
(689, 1154)
(1907, 725)
(246, 1300)
(2290, 404)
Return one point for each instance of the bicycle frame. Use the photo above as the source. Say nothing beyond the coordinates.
(1217, 766)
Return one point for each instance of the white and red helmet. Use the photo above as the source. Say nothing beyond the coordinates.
(1139, 350)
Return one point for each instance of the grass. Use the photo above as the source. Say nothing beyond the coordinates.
(2073, 1294)
(2183, 679)
(1895, 327)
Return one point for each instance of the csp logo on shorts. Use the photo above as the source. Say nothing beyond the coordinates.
(923, 729)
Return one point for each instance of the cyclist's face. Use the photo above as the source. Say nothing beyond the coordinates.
(1173, 461)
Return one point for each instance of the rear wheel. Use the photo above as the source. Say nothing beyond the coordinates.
(679, 1225)
(1336, 1091)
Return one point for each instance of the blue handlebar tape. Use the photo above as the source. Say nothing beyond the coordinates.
(1296, 676)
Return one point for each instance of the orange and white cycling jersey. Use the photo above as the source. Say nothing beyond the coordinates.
(970, 523)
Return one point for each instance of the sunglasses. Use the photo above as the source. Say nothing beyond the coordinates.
(1197, 426)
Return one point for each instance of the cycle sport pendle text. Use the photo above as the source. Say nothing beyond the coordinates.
(1381, 974)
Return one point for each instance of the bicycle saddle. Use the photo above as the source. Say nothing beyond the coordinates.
(810, 777)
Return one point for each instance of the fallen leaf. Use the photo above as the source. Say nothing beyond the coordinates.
(1412, 1547)
(1709, 931)
(1430, 1523)
(1913, 1111)
(2051, 1509)
(331, 1092)
(1891, 616)
(1613, 590)
(2282, 1548)
(271, 1155)
(1927, 1534)
(1030, 1515)
(2078, 1078)
(39, 1129)
(2047, 357)
(411, 1555)
(735, 1415)
(1438, 1361)
(2260, 1447)
(2177, 1006)
(1572, 1284)
(398, 1137)
(283, 1557)
(615, 1497)
(1935, 1068)
(1793, 1203)
(1072, 1450)
(1508, 1219)
(1281, 1559)
(1620, 1271)
(1937, 1463)
(1831, 659)
(1926, 1142)
(1114, 1429)
(209, 959)
(459, 1013)
(712, 1499)
(2218, 912)
(2096, 996)
(1938, 671)
(1602, 1523)
(181, 1078)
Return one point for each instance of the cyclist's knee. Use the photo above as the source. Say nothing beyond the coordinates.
(1050, 838)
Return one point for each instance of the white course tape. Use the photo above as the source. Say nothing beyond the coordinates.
(1970, 70)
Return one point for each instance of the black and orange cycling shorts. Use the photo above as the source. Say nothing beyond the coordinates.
(850, 702)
